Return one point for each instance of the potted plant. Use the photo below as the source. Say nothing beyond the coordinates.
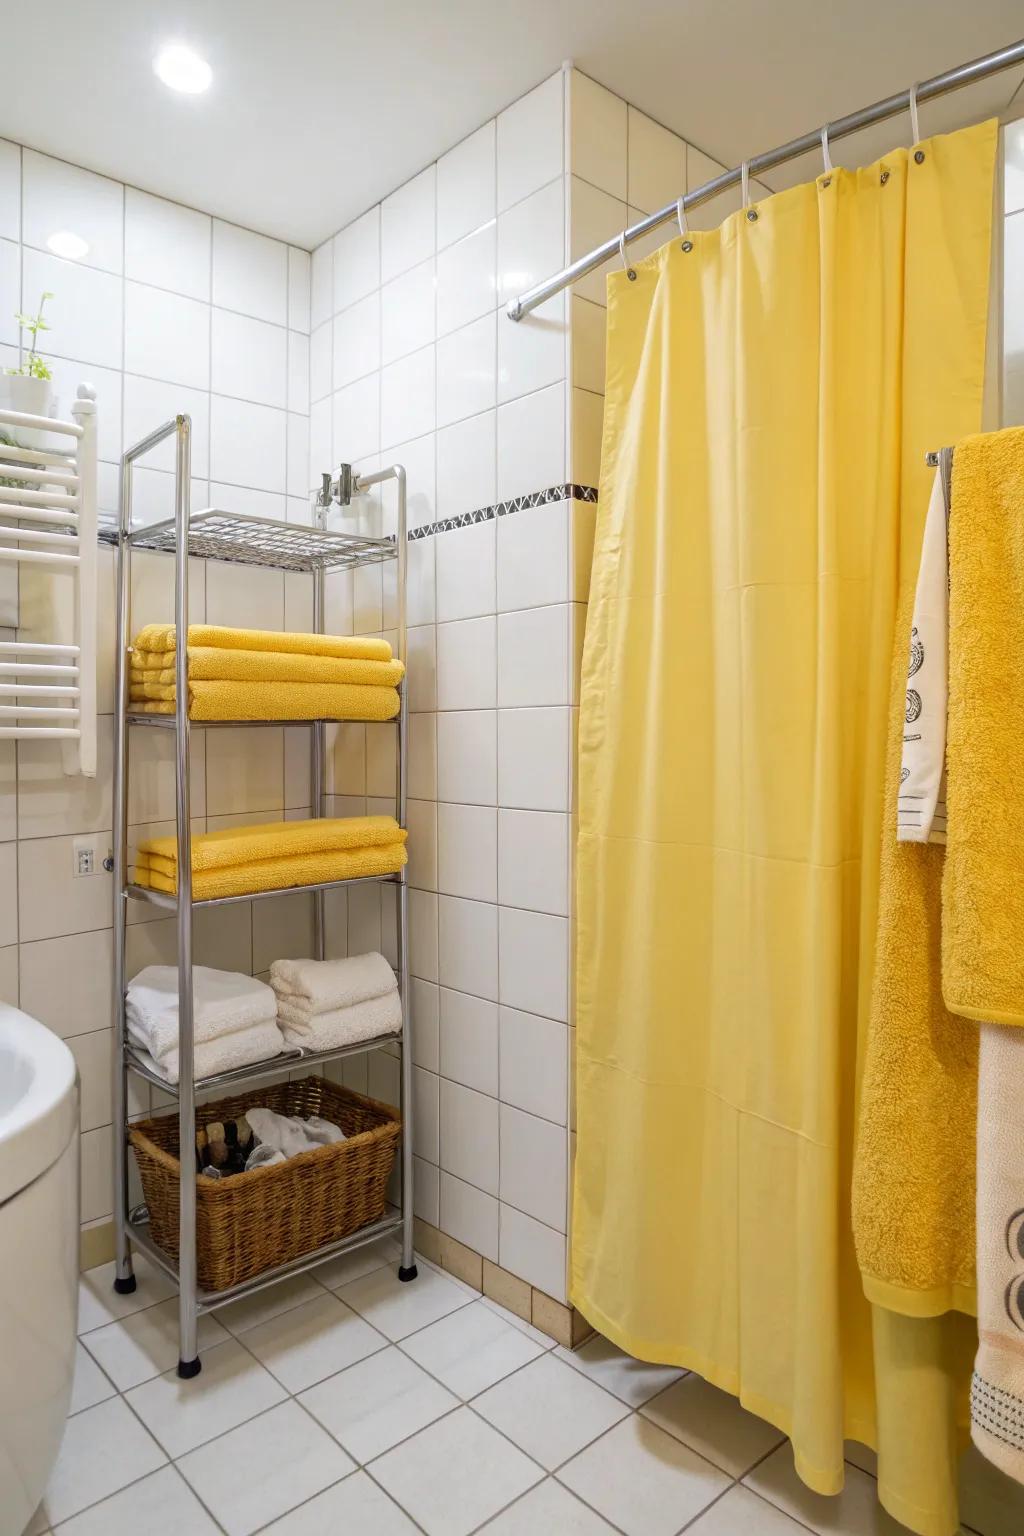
(28, 387)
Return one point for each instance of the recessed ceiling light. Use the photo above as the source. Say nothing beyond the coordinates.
(182, 69)
(67, 244)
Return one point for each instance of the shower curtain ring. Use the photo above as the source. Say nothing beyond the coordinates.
(745, 189)
(826, 155)
(683, 230)
(630, 273)
(915, 122)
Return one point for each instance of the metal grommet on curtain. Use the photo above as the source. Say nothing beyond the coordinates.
(630, 273)
(745, 189)
(884, 177)
(826, 157)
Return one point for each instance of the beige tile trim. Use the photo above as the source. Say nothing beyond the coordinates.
(96, 1245)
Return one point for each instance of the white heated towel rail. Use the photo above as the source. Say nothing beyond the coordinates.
(48, 518)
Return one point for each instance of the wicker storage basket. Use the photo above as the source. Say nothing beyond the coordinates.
(254, 1221)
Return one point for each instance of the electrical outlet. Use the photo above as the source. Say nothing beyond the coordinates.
(86, 857)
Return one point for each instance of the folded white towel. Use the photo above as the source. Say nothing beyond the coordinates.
(291, 1134)
(320, 986)
(340, 1026)
(224, 1002)
(241, 1048)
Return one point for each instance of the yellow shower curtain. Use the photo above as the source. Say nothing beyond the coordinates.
(771, 393)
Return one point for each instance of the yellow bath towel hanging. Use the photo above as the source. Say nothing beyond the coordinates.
(983, 886)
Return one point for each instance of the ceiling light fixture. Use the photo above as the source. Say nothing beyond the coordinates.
(67, 244)
(182, 69)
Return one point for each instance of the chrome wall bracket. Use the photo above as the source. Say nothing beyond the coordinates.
(340, 490)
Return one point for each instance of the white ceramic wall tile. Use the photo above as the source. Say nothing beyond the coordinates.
(468, 946)
(321, 344)
(534, 962)
(466, 666)
(297, 448)
(531, 443)
(469, 1136)
(530, 149)
(10, 190)
(657, 164)
(466, 371)
(321, 284)
(466, 279)
(531, 241)
(247, 444)
(598, 134)
(166, 244)
(470, 1216)
(356, 346)
(466, 571)
(421, 822)
(533, 1251)
(533, 1159)
(298, 372)
(533, 657)
(426, 1024)
(10, 298)
(250, 273)
(587, 429)
(426, 1191)
(533, 759)
(423, 935)
(356, 257)
(408, 225)
(407, 397)
(249, 359)
(467, 756)
(534, 1057)
(533, 861)
(467, 858)
(466, 465)
(588, 345)
(407, 312)
(356, 420)
(66, 981)
(533, 352)
(533, 557)
(85, 314)
(299, 283)
(466, 186)
(469, 1041)
(166, 336)
(51, 901)
(59, 198)
(1013, 150)
(150, 401)
(595, 215)
(96, 1175)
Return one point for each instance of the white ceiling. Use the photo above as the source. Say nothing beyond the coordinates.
(320, 107)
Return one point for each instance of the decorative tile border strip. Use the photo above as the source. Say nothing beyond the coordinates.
(506, 508)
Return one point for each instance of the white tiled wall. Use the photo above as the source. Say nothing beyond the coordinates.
(412, 359)
(168, 310)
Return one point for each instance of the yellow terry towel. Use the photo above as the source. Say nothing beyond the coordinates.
(218, 664)
(276, 855)
(983, 887)
(163, 637)
(276, 701)
(913, 1181)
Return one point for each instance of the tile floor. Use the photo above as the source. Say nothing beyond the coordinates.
(346, 1401)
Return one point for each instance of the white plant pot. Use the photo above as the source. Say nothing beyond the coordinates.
(31, 397)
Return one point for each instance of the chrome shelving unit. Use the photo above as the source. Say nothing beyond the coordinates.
(216, 535)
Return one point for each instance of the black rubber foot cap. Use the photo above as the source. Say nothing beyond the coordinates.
(189, 1368)
(407, 1274)
(126, 1286)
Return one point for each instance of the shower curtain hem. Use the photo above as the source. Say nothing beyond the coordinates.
(820, 1480)
(923, 1522)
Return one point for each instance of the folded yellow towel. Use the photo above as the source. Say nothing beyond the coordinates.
(279, 874)
(276, 839)
(163, 637)
(216, 663)
(273, 701)
(983, 888)
(273, 855)
(913, 1180)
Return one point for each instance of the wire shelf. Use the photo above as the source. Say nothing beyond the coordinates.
(240, 539)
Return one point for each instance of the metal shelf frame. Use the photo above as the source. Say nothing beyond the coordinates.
(215, 535)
